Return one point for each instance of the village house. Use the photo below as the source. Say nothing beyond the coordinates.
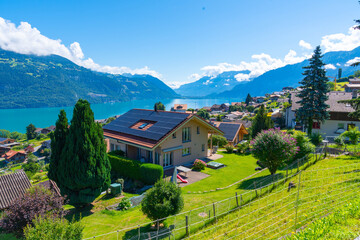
(207, 108)
(233, 132)
(29, 149)
(4, 141)
(353, 85)
(15, 156)
(339, 120)
(13, 186)
(4, 149)
(238, 104)
(258, 99)
(160, 137)
(45, 130)
(179, 108)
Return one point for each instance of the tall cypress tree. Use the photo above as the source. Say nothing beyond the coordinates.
(248, 99)
(58, 138)
(261, 122)
(84, 168)
(313, 93)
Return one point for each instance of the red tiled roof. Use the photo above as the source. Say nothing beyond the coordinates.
(12, 153)
(12, 186)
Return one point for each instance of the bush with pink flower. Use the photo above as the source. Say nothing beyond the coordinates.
(199, 165)
(273, 148)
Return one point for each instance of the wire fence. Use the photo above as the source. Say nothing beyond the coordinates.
(271, 208)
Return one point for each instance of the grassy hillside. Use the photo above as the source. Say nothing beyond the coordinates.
(323, 188)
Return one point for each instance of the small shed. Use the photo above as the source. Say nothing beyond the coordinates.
(12, 186)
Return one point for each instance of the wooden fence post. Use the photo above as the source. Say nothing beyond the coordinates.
(214, 211)
(187, 225)
(237, 200)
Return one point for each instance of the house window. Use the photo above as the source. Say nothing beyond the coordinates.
(174, 135)
(112, 147)
(316, 125)
(186, 151)
(341, 125)
(198, 130)
(203, 147)
(143, 125)
(168, 159)
(186, 135)
(157, 158)
(118, 147)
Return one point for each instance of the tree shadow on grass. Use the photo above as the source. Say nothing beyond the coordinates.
(257, 182)
(78, 213)
(148, 232)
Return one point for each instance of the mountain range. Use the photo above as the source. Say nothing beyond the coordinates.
(50, 81)
(209, 85)
(271, 81)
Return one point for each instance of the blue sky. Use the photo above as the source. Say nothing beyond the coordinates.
(179, 38)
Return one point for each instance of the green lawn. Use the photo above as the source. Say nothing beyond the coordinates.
(237, 168)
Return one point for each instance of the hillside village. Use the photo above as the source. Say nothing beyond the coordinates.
(205, 151)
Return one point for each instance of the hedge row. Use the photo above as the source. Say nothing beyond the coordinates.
(146, 172)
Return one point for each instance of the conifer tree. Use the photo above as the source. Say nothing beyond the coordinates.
(58, 138)
(84, 168)
(313, 93)
(248, 99)
(261, 122)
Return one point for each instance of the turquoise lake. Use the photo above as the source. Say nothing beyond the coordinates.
(18, 119)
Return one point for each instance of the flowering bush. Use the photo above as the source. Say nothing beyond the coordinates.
(199, 165)
(273, 147)
(125, 204)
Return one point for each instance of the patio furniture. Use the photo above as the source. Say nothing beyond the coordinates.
(215, 165)
(184, 169)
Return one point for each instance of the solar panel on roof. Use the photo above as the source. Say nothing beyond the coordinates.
(164, 123)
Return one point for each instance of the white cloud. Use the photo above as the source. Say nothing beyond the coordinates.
(261, 64)
(329, 66)
(26, 39)
(354, 60)
(340, 41)
(305, 45)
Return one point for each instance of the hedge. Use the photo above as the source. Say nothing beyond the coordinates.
(151, 173)
(146, 172)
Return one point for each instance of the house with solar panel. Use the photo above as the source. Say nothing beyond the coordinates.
(160, 137)
(233, 132)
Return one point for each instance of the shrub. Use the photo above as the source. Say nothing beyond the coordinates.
(121, 181)
(229, 148)
(119, 153)
(316, 138)
(163, 200)
(353, 134)
(125, 167)
(147, 172)
(273, 147)
(31, 168)
(151, 173)
(218, 141)
(53, 228)
(199, 165)
(124, 204)
(37, 201)
(339, 140)
(303, 143)
(243, 147)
